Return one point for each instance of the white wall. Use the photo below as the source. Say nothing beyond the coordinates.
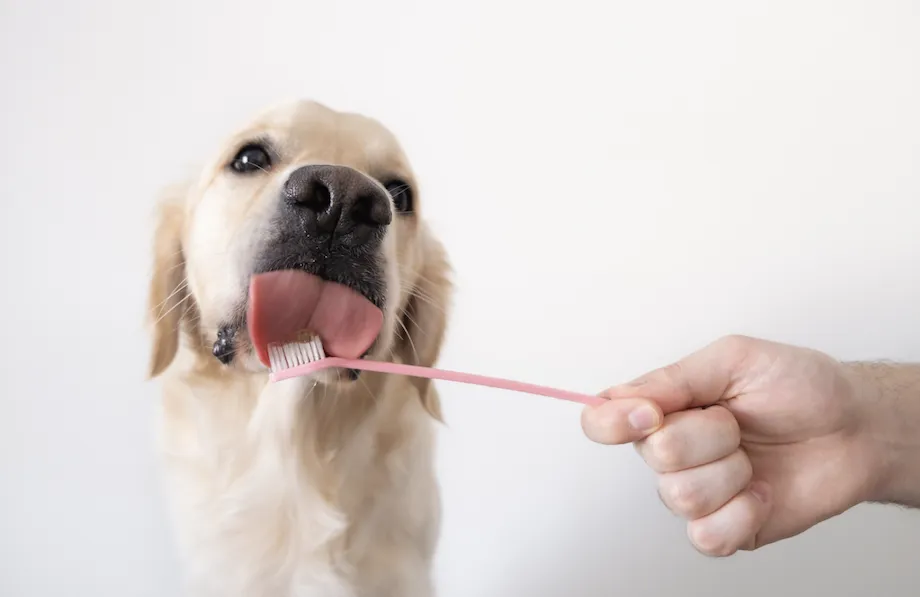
(618, 183)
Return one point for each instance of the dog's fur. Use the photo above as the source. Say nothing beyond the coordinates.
(313, 486)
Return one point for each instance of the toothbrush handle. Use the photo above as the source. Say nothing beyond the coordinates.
(431, 373)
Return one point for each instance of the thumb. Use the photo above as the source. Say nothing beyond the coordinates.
(624, 421)
(702, 378)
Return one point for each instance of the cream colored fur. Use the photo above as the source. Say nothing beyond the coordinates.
(317, 487)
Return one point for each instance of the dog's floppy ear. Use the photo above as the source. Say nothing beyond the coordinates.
(425, 318)
(167, 294)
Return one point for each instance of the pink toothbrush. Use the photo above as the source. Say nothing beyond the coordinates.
(296, 359)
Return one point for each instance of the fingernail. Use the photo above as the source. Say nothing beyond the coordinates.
(643, 418)
(760, 490)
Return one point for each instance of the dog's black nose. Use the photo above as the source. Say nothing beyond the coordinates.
(339, 201)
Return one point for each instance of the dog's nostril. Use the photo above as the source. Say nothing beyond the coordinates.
(312, 194)
(319, 199)
(371, 210)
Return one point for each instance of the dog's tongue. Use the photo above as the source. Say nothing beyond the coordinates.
(285, 303)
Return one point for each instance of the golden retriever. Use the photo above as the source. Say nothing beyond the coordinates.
(307, 487)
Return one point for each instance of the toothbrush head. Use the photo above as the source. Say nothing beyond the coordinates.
(308, 348)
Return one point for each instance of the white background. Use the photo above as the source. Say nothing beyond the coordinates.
(618, 183)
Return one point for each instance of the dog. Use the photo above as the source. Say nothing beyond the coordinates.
(313, 486)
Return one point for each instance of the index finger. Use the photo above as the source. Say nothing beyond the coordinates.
(636, 409)
(702, 378)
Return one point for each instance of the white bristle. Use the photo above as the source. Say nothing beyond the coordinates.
(274, 358)
(293, 354)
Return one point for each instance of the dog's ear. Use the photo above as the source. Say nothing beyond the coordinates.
(168, 292)
(424, 320)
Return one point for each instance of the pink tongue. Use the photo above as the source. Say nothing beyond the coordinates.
(284, 304)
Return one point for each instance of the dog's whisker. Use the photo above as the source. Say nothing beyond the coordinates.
(416, 291)
(414, 322)
(368, 388)
(414, 273)
(159, 307)
(171, 309)
(167, 258)
(398, 189)
(409, 338)
(428, 300)
(410, 287)
(175, 266)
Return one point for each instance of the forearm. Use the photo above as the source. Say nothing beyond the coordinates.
(891, 396)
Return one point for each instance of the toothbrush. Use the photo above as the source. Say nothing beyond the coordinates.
(296, 359)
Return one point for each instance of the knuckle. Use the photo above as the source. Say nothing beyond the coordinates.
(725, 419)
(734, 343)
(721, 428)
(666, 449)
(677, 378)
(722, 550)
(709, 543)
(684, 498)
(742, 468)
(673, 371)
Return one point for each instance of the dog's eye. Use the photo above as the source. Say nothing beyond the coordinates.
(402, 196)
(250, 158)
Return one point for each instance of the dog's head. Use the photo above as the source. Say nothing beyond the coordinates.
(310, 194)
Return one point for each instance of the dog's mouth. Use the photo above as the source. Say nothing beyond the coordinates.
(284, 304)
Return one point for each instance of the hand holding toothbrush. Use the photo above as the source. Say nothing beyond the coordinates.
(755, 442)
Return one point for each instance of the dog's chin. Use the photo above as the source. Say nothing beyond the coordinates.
(336, 379)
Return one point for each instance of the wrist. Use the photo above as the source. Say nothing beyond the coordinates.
(888, 396)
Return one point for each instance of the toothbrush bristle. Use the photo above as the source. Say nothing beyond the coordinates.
(293, 354)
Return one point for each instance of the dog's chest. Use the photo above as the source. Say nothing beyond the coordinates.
(255, 516)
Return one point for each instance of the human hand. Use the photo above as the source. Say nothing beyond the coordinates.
(752, 441)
